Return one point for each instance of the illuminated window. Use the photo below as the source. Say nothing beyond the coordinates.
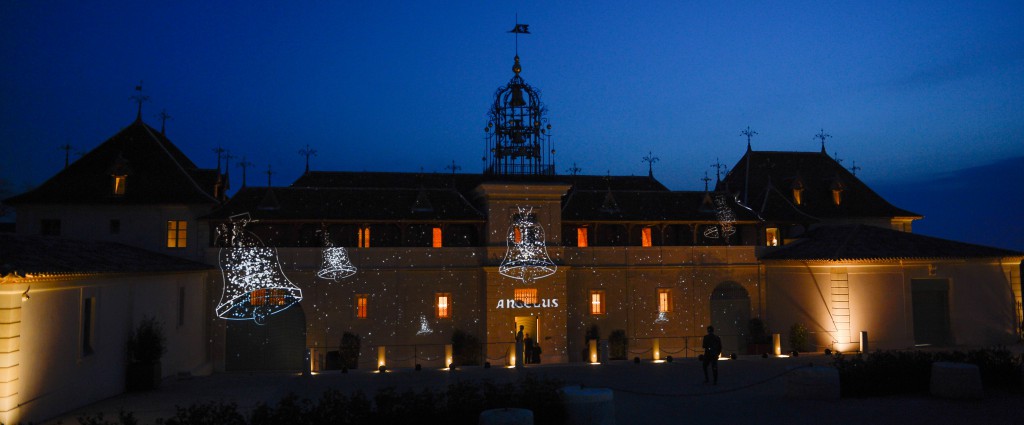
(526, 295)
(177, 234)
(437, 237)
(596, 302)
(771, 236)
(268, 297)
(364, 237)
(837, 196)
(518, 234)
(444, 305)
(798, 195)
(119, 183)
(664, 300)
(645, 236)
(581, 237)
(361, 302)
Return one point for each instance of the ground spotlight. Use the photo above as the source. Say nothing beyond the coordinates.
(732, 356)
(487, 365)
(382, 369)
(344, 370)
(418, 367)
(668, 359)
(828, 352)
(636, 360)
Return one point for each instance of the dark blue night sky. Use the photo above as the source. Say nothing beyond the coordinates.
(925, 96)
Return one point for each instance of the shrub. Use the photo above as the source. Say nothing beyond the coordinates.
(465, 349)
(147, 344)
(906, 372)
(349, 351)
(798, 337)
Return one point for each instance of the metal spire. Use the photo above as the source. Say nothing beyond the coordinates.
(452, 167)
(574, 169)
(244, 164)
(749, 133)
(854, 168)
(650, 159)
(139, 98)
(307, 152)
(822, 135)
(164, 116)
(719, 169)
(835, 155)
(706, 179)
(67, 153)
(219, 151)
(269, 172)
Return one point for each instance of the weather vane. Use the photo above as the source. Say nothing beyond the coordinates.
(822, 135)
(719, 169)
(854, 168)
(220, 153)
(307, 152)
(164, 116)
(706, 179)
(574, 169)
(67, 153)
(269, 172)
(519, 29)
(139, 98)
(835, 155)
(453, 167)
(244, 164)
(749, 133)
(650, 159)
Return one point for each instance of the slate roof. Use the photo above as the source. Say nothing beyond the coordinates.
(605, 205)
(348, 204)
(863, 242)
(158, 173)
(52, 255)
(773, 175)
(465, 183)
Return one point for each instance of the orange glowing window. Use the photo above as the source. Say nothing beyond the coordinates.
(364, 237)
(268, 297)
(361, 302)
(798, 195)
(437, 237)
(645, 236)
(596, 302)
(177, 233)
(771, 236)
(526, 295)
(837, 196)
(664, 300)
(444, 305)
(518, 235)
(119, 184)
(581, 237)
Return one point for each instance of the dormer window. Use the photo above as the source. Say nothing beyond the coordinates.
(119, 184)
(771, 236)
(837, 192)
(798, 191)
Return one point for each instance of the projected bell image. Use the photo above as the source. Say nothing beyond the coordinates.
(527, 256)
(336, 264)
(255, 287)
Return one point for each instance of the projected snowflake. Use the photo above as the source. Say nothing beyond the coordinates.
(255, 287)
(424, 326)
(527, 256)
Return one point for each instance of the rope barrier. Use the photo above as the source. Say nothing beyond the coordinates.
(640, 352)
(674, 352)
(730, 390)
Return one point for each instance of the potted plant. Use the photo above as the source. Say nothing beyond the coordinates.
(146, 346)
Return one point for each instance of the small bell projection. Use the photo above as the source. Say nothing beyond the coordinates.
(726, 218)
(336, 264)
(527, 256)
(255, 287)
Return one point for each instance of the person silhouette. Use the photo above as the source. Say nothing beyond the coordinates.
(712, 349)
(528, 349)
(519, 347)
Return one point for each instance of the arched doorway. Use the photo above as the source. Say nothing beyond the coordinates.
(280, 344)
(730, 314)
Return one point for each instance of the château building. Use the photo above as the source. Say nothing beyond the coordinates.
(273, 278)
